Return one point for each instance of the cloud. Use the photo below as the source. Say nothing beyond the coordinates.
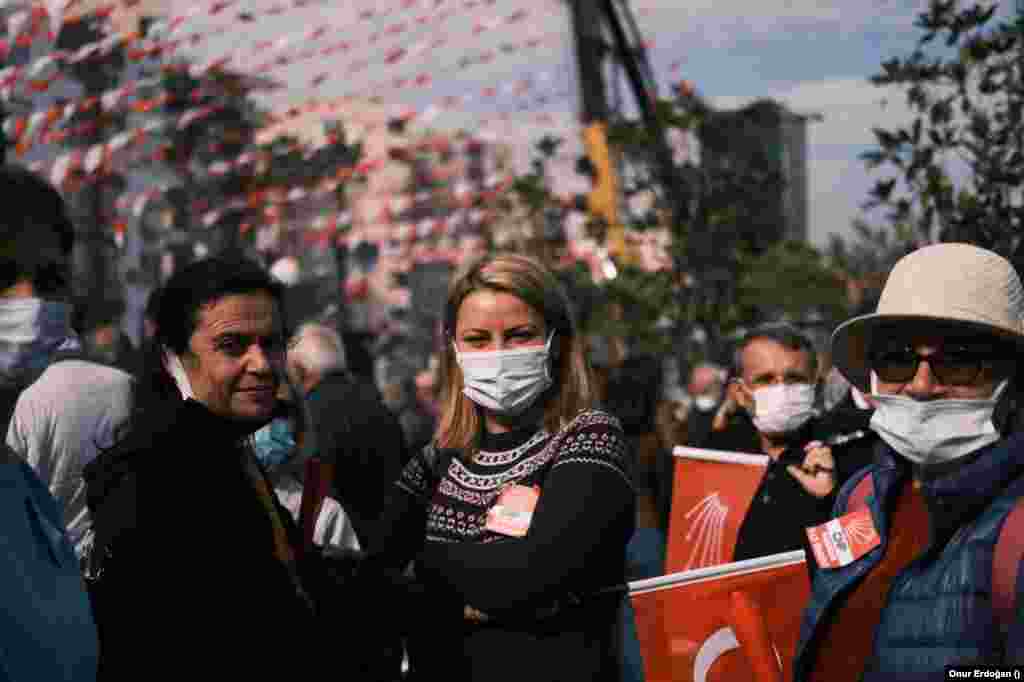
(836, 188)
(728, 22)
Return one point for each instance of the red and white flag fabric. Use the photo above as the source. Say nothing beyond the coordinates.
(711, 493)
(736, 621)
(840, 542)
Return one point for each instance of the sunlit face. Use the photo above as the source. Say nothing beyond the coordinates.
(767, 362)
(495, 320)
(704, 380)
(946, 366)
(236, 356)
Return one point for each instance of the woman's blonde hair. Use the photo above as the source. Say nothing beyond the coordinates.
(572, 391)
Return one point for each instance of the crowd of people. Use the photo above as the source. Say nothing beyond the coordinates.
(156, 499)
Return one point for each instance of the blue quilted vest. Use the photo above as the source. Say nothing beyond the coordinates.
(939, 609)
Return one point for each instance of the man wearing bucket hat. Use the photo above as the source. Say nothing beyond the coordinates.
(923, 574)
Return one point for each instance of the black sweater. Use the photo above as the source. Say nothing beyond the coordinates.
(575, 545)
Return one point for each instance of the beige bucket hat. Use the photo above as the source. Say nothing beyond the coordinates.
(958, 284)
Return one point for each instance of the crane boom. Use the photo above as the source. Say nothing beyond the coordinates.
(604, 28)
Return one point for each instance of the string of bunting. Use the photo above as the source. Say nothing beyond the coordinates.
(25, 28)
(40, 125)
(275, 200)
(28, 130)
(48, 125)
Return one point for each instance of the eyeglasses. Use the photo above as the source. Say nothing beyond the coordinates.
(953, 365)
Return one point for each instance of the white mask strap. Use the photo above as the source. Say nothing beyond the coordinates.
(172, 363)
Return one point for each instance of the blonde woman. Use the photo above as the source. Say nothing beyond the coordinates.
(518, 513)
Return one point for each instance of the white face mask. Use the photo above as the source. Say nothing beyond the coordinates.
(32, 331)
(783, 408)
(935, 431)
(705, 403)
(505, 381)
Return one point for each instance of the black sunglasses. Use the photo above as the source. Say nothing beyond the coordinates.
(953, 365)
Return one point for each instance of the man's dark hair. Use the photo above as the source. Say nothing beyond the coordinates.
(782, 333)
(35, 212)
(91, 315)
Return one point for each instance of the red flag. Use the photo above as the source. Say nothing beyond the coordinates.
(711, 494)
(738, 621)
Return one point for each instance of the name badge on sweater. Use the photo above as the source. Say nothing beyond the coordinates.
(844, 540)
(512, 513)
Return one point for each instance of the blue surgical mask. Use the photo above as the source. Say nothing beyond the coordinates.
(32, 332)
(274, 444)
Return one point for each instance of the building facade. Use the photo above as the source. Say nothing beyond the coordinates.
(762, 148)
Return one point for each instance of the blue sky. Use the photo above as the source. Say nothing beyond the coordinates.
(813, 55)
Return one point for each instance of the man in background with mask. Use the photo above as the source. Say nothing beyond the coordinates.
(35, 317)
(940, 359)
(64, 412)
(46, 624)
(774, 391)
(706, 389)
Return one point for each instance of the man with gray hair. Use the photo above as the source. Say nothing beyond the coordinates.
(315, 351)
(774, 414)
(349, 425)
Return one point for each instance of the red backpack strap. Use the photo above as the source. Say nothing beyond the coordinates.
(1006, 564)
(858, 497)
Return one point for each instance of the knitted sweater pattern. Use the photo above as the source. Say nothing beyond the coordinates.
(457, 507)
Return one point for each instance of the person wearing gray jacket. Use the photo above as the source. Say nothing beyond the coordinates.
(59, 425)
